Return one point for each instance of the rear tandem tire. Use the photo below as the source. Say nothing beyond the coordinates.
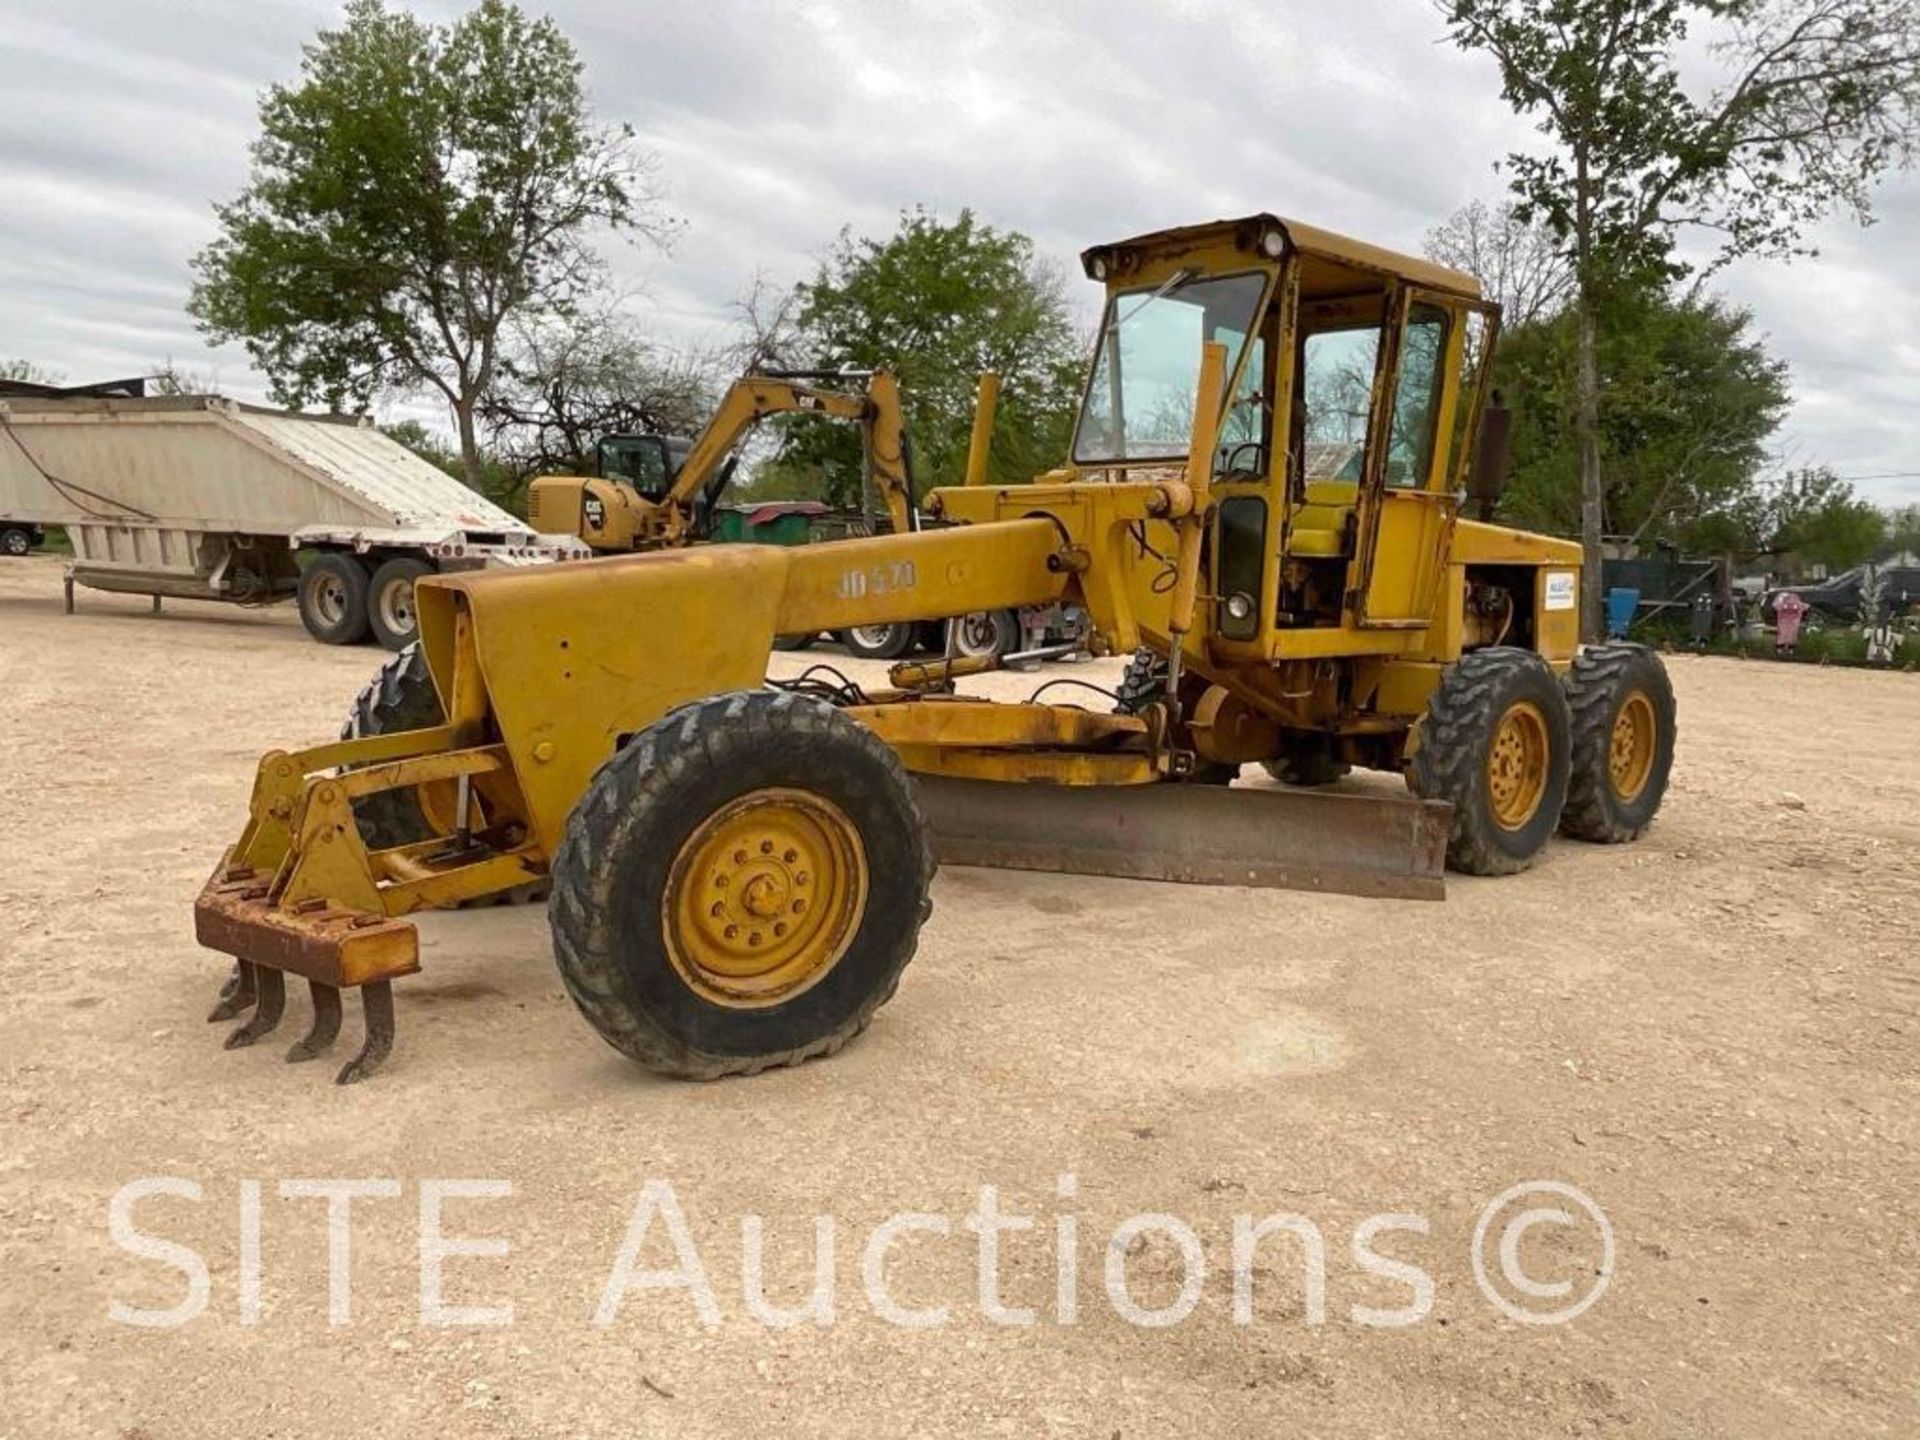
(333, 599)
(1623, 737)
(390, 607)
(694, 841)
(1495, 744)
(1308, 762)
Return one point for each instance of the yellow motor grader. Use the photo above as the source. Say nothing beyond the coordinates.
(1278, 433)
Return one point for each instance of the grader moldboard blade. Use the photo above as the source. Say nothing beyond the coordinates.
(1375, 846)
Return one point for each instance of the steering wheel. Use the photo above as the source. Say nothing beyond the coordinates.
(1257, 464)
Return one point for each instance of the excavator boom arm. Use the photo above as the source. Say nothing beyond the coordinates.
(750, 399)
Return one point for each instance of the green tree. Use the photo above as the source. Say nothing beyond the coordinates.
(938, 303)
(418, 187)
(1809, 515)
(1689, 399)
(1819, 98)
(1815, 515)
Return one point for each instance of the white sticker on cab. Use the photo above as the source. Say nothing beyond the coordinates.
(1563, 590)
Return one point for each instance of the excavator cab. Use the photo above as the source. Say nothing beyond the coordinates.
(646, 462)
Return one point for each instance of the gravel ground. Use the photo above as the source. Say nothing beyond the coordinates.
(1711, 1034)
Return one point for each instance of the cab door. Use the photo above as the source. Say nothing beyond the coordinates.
(1430, 379)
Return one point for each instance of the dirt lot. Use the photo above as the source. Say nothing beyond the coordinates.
(1713, 1034)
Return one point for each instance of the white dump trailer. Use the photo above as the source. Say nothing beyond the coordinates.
(202, 498)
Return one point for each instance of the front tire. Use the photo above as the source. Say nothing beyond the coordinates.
(740, 887)
(333, 599)
(1623, 739)
(1495, 744)
(399, 697)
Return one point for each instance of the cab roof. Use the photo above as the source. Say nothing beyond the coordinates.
(1245, 233)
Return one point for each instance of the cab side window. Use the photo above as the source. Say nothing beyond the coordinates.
(1337, 368)
(1416, 401)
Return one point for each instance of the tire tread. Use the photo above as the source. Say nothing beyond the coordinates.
(622, 794)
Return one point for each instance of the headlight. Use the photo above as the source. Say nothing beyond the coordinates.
(1097, 268)
(1240, 605)
(1273, 244)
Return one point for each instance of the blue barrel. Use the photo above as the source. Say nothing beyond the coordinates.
(1621, 605)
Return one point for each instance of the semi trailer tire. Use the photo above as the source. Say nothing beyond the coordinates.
(390, 608)
(1496, 745)
(16, 541)
(740, 886)
(985, 634)
(878, 642)
(1623, 736)
(333, 599)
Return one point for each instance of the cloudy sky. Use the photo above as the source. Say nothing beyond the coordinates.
(777, 122)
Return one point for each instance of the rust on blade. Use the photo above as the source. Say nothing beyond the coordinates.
(330, 944)
(1346, 844)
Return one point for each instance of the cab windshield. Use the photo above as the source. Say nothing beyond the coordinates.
(1146, 372)
(640, 460)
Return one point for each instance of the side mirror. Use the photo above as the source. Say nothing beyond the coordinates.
(1492, 458)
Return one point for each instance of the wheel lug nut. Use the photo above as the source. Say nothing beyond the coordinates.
(791, 856)
(766, 847)
(799, 906)
(739, 857)
(780, 927)
(718, 910)
(754, 938)
(801, 878)
(733, 932)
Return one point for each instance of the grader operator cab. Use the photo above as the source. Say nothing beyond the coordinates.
(1263, 499)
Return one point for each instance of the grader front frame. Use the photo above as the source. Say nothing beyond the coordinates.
(1263, 498)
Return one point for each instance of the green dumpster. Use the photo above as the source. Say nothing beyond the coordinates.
(783, 522)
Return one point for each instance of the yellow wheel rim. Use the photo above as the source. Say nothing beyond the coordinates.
(764, 897)
(1631, 748)
(1517, 763)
